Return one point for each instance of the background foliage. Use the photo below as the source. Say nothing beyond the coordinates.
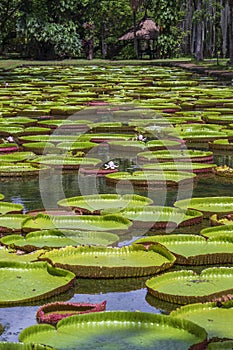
(49, 29)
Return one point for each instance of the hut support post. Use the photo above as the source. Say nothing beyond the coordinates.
(134, 34)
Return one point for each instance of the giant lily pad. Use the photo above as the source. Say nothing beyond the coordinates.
(84, 146)
(11, 222)
(21, 346)
(48, 138)
(110, 127)
(60, 162)
(151, 179)
(16, 157)
(224, 120)
(21, 169)
(40, 147)
(221, 345)
(195, 250)
(93, 203)
(10, 130)
(25, 282)
(197, 168)
(121, 330)
(186, 286)
(155, 145)
(216, 320)
(10, 208)
(101, 262)
(76, 222)
(175, 156)
(218, 231)
(35, 130)
(159, 217)
(202, 135)
(12, 255)
(222, 145)
(208, 205)
(99, 138)
(131, 148)
(56, 239)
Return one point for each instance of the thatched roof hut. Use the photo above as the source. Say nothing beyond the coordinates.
(146, 29)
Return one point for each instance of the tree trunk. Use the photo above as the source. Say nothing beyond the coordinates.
(224, 26)
(231, 31)
(135, 42)
(199, 36)
(103, 42)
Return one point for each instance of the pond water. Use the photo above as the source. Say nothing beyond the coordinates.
(123, 294)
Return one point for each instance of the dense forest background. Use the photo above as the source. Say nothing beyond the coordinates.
(52, 29)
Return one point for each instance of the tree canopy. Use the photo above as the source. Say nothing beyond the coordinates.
(49, 29)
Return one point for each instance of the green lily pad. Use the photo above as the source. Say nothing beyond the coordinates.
(225, 231)
(10, 130)
(21, 169)
(7, 208)
(128, 146)
(1, 196)
(121, 330)
(201, 135)
(223, 345)
(186, 286)
(160, 217)
(56, 239)
(12, 255)
(76, 146)
(101, 262)
(92, 203)
(155, 145)
(104, 137)
(223, 145)
(195, 250)
(25, 282)
(16, 157)
(40, 147)
(208, 205)
(11, 222)
(217, 321)
(197, 168)
(48, 138)
(225, 119)
(151, 179)
(175, 156)
(20, 120)
(66, 162)
(35, 130)
(76, 222)
(21, 346)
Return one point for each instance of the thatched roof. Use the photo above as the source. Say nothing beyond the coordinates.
(145, 30)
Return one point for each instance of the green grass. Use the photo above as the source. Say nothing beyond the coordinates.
(12, 63)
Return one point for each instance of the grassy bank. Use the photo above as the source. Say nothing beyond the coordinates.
(10, 63)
